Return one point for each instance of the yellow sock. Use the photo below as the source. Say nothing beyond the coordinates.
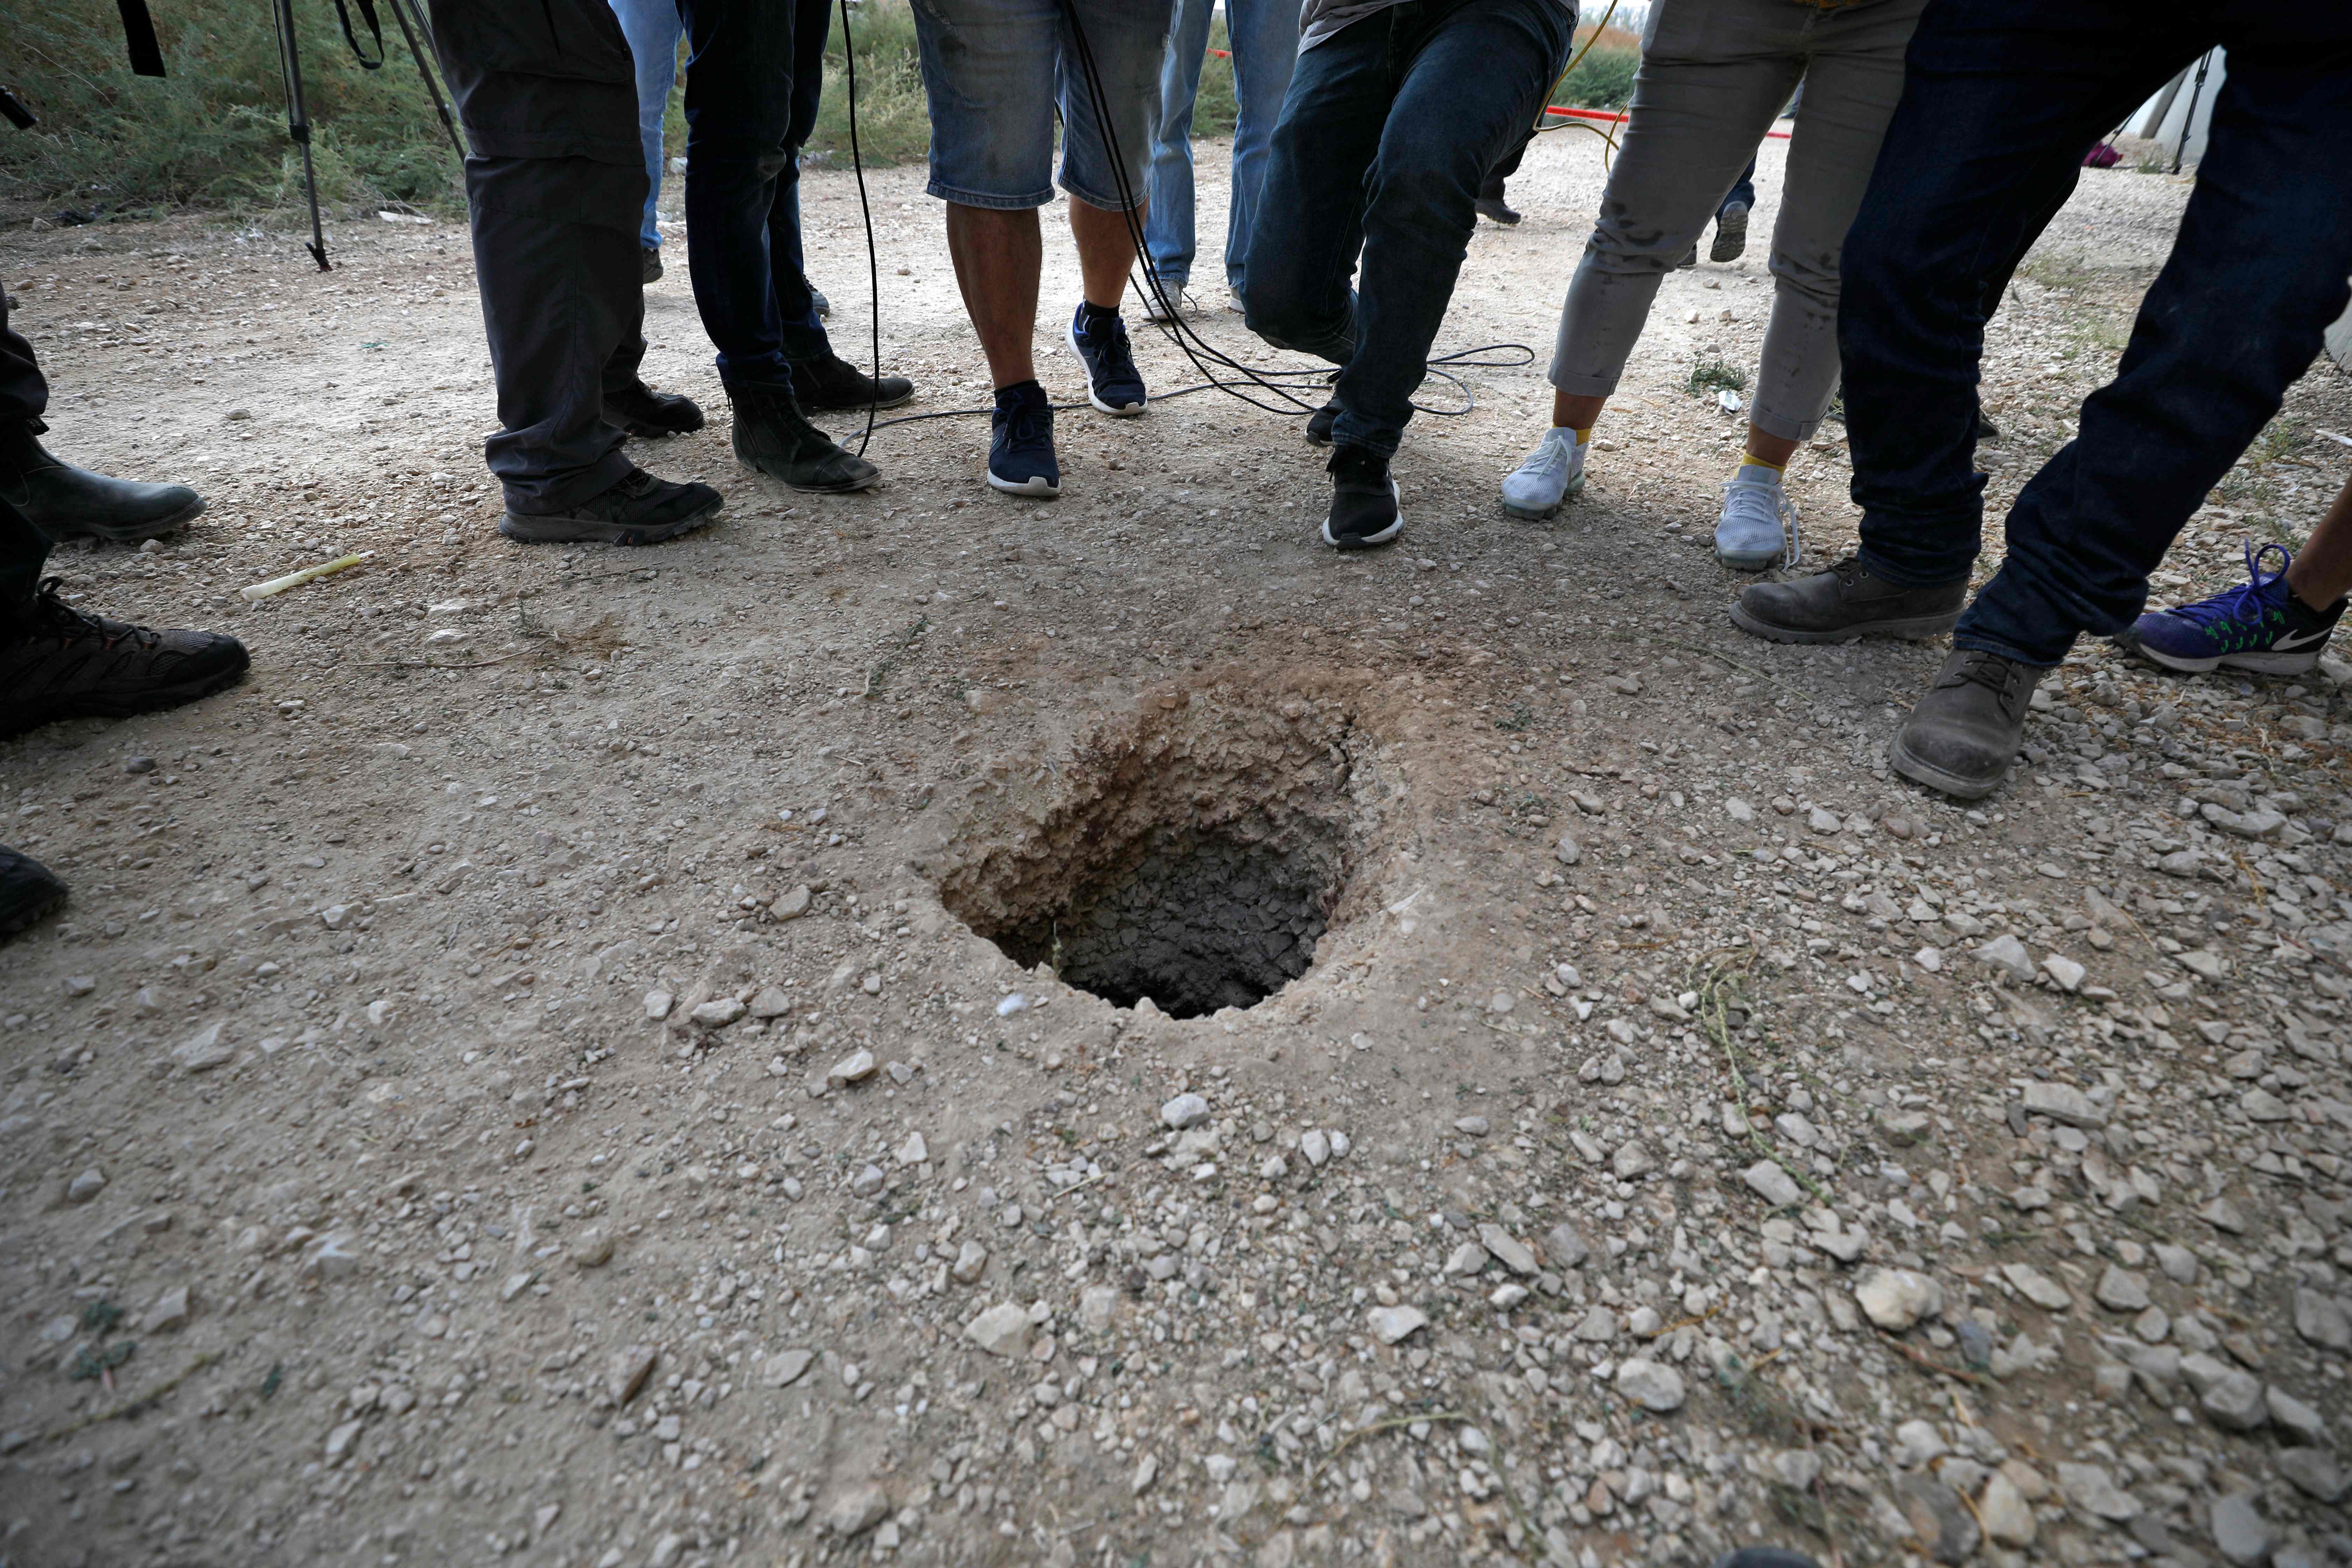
(1750, 460)
(1583, 437)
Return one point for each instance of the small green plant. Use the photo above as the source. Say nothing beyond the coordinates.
(1712, 374)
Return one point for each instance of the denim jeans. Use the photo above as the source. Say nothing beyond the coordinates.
(1265, 38)
(1743, 190)
(753, 76)
(2002, 99)
(1389, 129)
(1713, 78)
(997, 72)
(653, 29)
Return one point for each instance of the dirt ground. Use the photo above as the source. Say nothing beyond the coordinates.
(529, 1075)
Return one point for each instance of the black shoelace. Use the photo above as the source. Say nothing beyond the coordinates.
(62, 621)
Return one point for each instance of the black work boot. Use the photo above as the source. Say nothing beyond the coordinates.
(771, 436)
(28, 890)
(1364, 510)
(1964, 733)
(641, 410)
(640, 509)
(834, 383)
(66, 503)
(70, 665)
(1842, 602)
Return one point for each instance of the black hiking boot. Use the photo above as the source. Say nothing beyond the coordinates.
(1962, 736)
(834, 383)
(640, 509)
(771, 436)
(66, 503)
(73, 664)
(1842, 602)
(28, 890)
(641, 410)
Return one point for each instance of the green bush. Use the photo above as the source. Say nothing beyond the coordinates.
(212, 131)
(1604, 78)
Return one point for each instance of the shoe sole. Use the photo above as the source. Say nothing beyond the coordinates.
(1730, 239)
(1040, 488)
(1370, 540)
(138, 533)
(2301, 663)
(898, 402)
(644, 430)
(528, 529)
(157, 700)
(1751, 563)
(1319, 438)
(1917, 628)
(837, 488)
(1071, 337)
(1567, 494)
(1900, 758)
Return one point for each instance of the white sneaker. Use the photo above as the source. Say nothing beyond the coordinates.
(1178, 296)
(1550, 474)
(1759, 525)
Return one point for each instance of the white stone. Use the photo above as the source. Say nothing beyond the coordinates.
(783, 1368)
(1390, 1324)
(658, 1004)
(2037, 1287)
(86, 1186)
(972, 1262)
(855, 1067)
(1316, 1147)
(2007, 954)
(1773, 1184)
(913, 1151)
(1003, 1329)
(1515, 1255)
(1651, 1386)
(718, 1013)
(2065, 970)
(1184, 1111)
(1898, 1299)
(2063, 1102)
(204, 1050)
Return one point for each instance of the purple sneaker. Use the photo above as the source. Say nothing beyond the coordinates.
(2257, 625)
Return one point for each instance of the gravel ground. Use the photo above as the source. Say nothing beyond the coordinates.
(528, 1076)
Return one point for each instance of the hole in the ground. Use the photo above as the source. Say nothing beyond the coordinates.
(1192, 854)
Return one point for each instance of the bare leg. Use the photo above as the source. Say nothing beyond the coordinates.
(1775, 450)
(2321, 573)
(1576, 413)
(997, 256)
(1106, 250)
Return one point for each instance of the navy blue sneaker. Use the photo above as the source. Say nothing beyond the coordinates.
(1113, 384)
(2256, 625)
(1021, 442)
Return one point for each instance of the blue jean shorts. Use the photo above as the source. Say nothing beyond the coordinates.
(995, 71)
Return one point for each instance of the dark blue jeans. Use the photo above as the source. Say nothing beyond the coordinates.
(1743, 190)
(753, 78)
(2000, 100)
(1388, 130)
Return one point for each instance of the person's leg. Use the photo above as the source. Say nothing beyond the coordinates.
(1855, 61)
(739, 113)
(2256, 274)
(804, 338)
(24, 550)
(1168, 234)
(1265, 38)
(1301, 251)
(556, 262)
(1712, 76)
(1999, 102)
(988, 74)
(651, 28)
(1475, 83)
(1104, 170)
(1743, 189)
(23, 390)
(2321, 573)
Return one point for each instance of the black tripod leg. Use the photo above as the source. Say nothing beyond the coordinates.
(298, 126)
